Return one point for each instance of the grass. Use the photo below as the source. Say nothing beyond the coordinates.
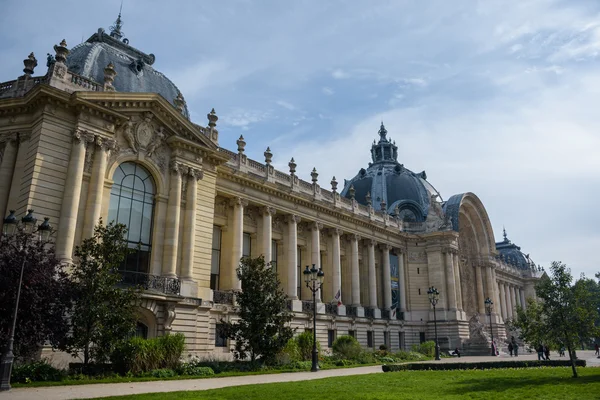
(533, 383)
(124, 379)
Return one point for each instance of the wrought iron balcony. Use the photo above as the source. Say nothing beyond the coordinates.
(307, 306)
(370, 312)
(351, 311)
(149, 282)
(385, 314)
(331, 309)
(220, 297)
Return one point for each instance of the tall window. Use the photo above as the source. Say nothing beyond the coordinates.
(215, 261)
(247, 245)
(369, 338)
(330, 337)
(132, 204)
(274, 255)
(220, 338)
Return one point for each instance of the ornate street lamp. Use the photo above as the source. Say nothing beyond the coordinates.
(11, 227)
(314, 281)
(434, 297)
(489, 306)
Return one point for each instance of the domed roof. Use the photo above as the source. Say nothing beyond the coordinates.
(511, 254)
(133, 67)
(387, 183)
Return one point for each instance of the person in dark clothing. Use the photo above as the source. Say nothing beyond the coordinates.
(540, 351)
(597, 348)
(547, 352)
(510, 348)
(515, 346)
(457, 352)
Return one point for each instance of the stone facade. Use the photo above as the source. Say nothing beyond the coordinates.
(63, 137)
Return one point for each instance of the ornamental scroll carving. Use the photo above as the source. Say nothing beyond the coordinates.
(417, 257)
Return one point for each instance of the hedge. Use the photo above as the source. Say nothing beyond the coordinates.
(479, 365)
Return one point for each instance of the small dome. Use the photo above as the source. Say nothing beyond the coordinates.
(511, 254)
(133, 67)
(389, 181)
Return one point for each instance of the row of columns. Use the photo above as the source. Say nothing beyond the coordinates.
(511, 296)
(291, 263)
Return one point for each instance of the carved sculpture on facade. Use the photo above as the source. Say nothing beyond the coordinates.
(170, 315)
(477, 330)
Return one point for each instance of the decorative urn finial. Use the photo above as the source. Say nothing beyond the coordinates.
(334, 185)
(179, 102)
(292, 164)
(383, 206)
(351, 192)
(241, 143)
(268, 156)
(30, 63)
(212, 119)
(314, 175)
(61, 52)
(109, 77)
(368, 199)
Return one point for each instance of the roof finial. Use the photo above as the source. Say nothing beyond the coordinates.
(504, 233)
(115, 30)
(382, 133)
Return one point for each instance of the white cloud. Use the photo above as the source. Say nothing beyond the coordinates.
(339, 74)
(327, 90)
(286, 105)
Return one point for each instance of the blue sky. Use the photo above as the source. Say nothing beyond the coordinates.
(499, 98)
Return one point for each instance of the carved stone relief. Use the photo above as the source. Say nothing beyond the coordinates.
(417, 257)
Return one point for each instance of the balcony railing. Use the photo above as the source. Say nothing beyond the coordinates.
(307, 306)
(351, 311)
(370, 312)
(151, 282)
(331, 309)
(222, 297)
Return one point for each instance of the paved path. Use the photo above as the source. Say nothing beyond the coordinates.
(121, 389)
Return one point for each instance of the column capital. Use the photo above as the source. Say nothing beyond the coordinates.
(335, 232)
(238, 202)
(316, 226)
(81, 136)
(353, 237)
(9, 137)
(176, 168)
(267, 211)
(370, 242)
(195, 173)
(105, 143)
(449, 250)
(292, 218)
(385, 247)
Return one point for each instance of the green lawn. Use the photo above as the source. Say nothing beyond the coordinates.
(533, 383)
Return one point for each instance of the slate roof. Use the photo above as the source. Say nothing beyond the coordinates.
(134, 68)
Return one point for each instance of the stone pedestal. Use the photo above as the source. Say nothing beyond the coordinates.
(320, 308)
(189, 288)
(341, 310)
(295, 305)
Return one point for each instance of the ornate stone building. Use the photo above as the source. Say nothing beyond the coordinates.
(102, 134)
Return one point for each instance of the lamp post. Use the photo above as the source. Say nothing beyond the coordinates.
(314, 281)
(434, 296)
(489, 306)
(11, 227)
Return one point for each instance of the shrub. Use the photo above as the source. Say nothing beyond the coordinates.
(289, 354)
(305, 345)
(138, 355)
(346, 347)
(480, 365)
(426, 348)
(403, 355)
(193, 369)
(383, 347)
(172, 349)
(39, 371)
(160, 373)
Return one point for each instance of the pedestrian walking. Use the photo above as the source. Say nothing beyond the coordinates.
(597, 348)
(547, 352)
(515, 346)
(540, 351)
(510, 348)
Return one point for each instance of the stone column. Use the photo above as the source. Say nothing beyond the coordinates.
(7, 168)
(522, 296)
(496, 298)
(315, 249)
(171, 241)
(18, 171)
(401, 283)
(237, 245)
(509, 304)
(70, 201)
(267, 232)
(459, 301)
(450, 280)
(158, 233)
(479, 283)
(95, 197)
(490, 283)
(514, 298)
(387, 276)
(355, 273)
(292, 252)
(189, 233)
(336, 269)
(372, 275)
(502, 300)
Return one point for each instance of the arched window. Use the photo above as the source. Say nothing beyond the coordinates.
(132, 204)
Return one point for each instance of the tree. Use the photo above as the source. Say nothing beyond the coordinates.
(563, 315)
(45, 294)
(262, 330)
(104, 313)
